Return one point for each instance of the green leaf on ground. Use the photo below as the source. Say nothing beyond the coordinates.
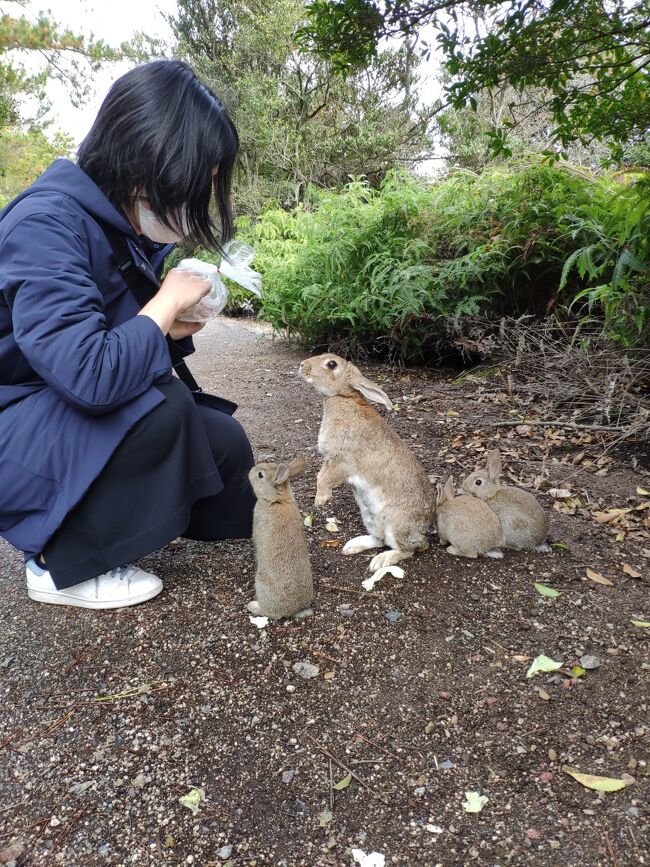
(600, 784)
(578, 671)
(344, 783)
(309, 520)
(642, 624)
(543, 663)
(474, 802)
(193, 799)
(544, 590)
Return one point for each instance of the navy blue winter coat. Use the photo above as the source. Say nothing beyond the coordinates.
(78, 367)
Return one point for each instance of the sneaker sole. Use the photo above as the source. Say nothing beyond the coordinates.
(62, 598)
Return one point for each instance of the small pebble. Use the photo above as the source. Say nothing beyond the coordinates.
(103, 851)
(305, 670)
(589, 662)
(552, 755)
(291, 687)
(392, 616)
(225, 852)
(287, 776)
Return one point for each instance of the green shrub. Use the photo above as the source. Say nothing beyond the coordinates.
(390, 271)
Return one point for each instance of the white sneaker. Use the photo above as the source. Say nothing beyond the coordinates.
(126, 585)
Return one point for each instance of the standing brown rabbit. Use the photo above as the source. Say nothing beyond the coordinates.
(359, 447)
(283, 582)
(524, 524)
(467, 524)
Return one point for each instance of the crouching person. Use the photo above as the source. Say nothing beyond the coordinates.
(105, 456)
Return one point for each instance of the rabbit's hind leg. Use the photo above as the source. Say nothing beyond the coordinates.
(471, 554)
(362, 543)
(254, 607)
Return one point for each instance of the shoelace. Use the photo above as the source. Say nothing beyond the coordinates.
(119, 572)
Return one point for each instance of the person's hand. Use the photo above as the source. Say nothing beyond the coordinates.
(179, 291)
(184, 289)
(179, 329)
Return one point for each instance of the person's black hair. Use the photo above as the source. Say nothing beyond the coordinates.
(160, 133)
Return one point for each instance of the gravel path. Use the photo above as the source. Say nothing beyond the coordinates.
(109, 719)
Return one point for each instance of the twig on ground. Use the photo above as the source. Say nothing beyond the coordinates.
(342, 765)
(325, 656)
(67, 828)
(331, 786)
(610, 849)
(379, 746)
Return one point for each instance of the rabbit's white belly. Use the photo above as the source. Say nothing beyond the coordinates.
(370, 503)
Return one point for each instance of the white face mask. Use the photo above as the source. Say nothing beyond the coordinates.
(157, 231)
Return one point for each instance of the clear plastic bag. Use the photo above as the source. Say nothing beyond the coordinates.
(235, 266)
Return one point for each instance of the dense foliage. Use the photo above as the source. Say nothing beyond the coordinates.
(591, 57)
(393, 271)
(24, 154)
(302, 127)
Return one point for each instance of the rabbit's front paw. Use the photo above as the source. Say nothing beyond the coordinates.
(254, 607)
(321, 498)
(388, 558)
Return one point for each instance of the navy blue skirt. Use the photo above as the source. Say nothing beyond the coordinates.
(181, 471)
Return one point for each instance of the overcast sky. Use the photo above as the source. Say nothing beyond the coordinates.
(114, 21)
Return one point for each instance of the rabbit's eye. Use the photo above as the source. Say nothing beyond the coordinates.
(331, 364)
(260, 475)
(478, 482)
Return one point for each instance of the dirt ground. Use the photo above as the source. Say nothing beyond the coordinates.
(108, 719)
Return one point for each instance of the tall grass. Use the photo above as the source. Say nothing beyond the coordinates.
(391, 271)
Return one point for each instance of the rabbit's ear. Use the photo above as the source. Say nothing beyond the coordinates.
(368, 389)
(494, 465)
(446, 494)
(282, 474)
(297, 467)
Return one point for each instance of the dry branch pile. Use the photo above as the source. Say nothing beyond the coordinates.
(573, 377)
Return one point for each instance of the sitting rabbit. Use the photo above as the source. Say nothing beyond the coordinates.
(469, 525)
(283, 582)
(360, 448)
(524, 523)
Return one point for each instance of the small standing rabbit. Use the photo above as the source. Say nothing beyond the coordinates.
(283, 582)
(469, 525)
(390, 485)
(524, 523)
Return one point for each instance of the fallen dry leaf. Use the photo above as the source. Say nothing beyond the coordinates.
(560, 493)
(598, 578)
(600, 784)
(330, 543)
(631, 571)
